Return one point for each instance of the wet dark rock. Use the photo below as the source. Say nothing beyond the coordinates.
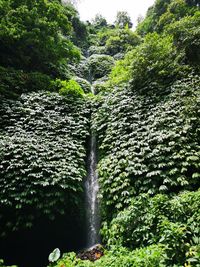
(94, 253)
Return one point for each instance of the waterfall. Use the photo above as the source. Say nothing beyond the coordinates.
(92, 188)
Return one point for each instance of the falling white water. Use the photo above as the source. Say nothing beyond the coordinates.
(92, 188)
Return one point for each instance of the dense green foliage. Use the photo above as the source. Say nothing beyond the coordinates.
(42, 154)
(33, 35)
(172, 222)
(186, 34)
(146, 116)
(165, 12)
(148, 128)
(37, 40)
(69, 88)
(94, 67)
(118, 256)
(154, 61)
(148, 143)
(114, 41)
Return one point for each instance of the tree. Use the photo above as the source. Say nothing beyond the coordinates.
(73, 2)
(123, 19)
(121, 40)
(99, 21)
(79, 35)
(186, 34)
(140, 18)
(35, 35)
(155, 60)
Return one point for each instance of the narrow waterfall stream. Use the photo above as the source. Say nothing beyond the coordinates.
(92, 188)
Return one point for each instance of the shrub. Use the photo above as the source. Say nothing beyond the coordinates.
(96, 50)
(94, 67)
(99, 65)
(85, 85)
(156, 60)
(34, 35)
(101, 86)
(118, 256)
(172, 222)
(121, 71)
(69, 88)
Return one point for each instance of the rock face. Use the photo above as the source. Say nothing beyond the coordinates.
(94, 253)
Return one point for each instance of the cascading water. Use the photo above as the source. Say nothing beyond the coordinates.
(92, 188)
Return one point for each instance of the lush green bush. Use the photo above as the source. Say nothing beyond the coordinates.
(69, 88)
(118, 256)
(165, 12)
(99, 65)
(94, 67)
(176, 10)
(96, 50)
(101, 86)
(154, 61)
(121, 71)
(173, 222)
(120, 41)
(42, 157)
(114, 41)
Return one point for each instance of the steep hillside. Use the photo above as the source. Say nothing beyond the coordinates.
(64, 82)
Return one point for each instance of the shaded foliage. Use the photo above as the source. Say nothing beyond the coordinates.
(94, 67)
(42, 155)
(186, 35)
(15, 82)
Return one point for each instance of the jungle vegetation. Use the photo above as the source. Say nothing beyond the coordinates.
(145, 113)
